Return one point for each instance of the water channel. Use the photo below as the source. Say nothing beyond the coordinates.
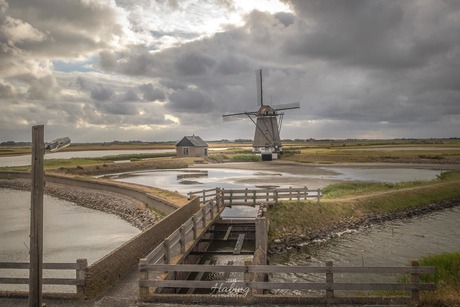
(75, 232)
(70, 232)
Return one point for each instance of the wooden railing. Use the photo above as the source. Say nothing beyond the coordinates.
(252, 284)
(78, 281)
(183, 239)
(252, 197)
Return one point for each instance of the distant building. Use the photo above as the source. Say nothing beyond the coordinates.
(192, 146)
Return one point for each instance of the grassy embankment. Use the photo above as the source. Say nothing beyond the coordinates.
(355, 201)
(352, 201)
(359, 151)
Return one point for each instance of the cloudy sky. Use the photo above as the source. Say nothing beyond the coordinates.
(156, 70)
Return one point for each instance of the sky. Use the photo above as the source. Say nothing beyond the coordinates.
(156, 70)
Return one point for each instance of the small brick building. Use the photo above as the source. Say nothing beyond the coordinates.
(191, 146)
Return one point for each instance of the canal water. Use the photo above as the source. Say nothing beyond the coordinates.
(70, 232)
(393, 243)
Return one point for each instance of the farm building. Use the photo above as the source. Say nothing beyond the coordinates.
(191, 146)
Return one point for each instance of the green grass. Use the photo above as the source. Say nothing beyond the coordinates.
(363, 199)
(344, 189)
(447, 268)
(245, 158)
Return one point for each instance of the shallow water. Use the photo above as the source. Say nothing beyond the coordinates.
(393, 243)
(26, 159)
(70, 231)
(188, 180)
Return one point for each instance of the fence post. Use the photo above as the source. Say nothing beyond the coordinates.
(261, 224)
(329, 280)
(194, 227)
(415, 294)
(290, 193)
(298, 194)
(231, 198)
(246, 195)
(182, 238)
(275, 193)
(218, 200)
(203, 216)
(82, 264)
(143, 276)
(211, 209)
(222, 196)
(319, 195)
(248, 277)
(167, 250)
(204, 196)
(305, 193)
(254, 196)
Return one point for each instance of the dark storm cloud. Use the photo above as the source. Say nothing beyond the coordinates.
(194, 64)
(381, 34)
(102, 93)
(68, 27)
(149, 93)
(192, 101)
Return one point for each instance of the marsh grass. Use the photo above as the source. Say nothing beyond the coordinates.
(245, 158)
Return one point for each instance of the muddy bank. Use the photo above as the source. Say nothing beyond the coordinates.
(130, 210)
(295, 241)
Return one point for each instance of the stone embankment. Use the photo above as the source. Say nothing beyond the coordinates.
(295, 240)
(130, 210)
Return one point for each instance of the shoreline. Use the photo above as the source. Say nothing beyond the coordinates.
(128, 209)
(325, 234)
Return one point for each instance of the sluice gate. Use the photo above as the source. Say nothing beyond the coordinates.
(224, 261)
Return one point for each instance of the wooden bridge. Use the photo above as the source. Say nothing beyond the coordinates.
(173, 272)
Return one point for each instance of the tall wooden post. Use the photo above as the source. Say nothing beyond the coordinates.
(36, 218)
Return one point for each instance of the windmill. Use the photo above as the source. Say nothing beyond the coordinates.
(268, 121)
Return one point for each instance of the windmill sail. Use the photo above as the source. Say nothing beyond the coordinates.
(286, 106)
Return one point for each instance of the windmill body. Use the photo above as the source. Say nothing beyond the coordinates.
(267, 121)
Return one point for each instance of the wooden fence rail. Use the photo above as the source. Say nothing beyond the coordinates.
(177, 242)
(257, 196)
(79, 266)
(252, 283)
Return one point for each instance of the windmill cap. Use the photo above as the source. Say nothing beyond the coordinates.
(266, 110)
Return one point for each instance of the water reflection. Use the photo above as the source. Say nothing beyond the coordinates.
(70, 231)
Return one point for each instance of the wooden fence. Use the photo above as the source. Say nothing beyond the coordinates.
(182, 240)
(78, 281)
(251, 197)
(251, 286)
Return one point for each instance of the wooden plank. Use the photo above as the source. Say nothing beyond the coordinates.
(47, 281)
(229, 229)
(227, 274)
(288, 285)
(220, 253)
(46, 266)
(199, 276)
(285, 269)
(239, 244)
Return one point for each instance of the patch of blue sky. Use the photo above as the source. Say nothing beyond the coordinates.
(86, 65)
